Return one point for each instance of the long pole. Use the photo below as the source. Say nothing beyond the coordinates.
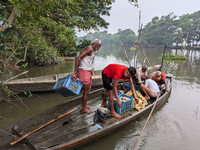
(36, 129)
(145, 56)
(162, 58)
(125, 54)
(147, 120)
(135, 59)
(16, 76)
(185, 45)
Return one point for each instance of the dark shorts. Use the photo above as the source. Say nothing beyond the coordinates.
(106, 82)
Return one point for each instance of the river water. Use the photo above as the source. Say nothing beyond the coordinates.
(175, 125)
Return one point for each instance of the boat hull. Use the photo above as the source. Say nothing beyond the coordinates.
(79, 128)
(46, 83)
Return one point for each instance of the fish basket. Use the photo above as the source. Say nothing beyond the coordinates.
(128, 88)
(125, 106)
(118, 92)
(66, 87)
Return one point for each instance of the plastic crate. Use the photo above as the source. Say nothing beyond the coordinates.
(125, 106)
(118, 92)
(128, 88)
(66, 87)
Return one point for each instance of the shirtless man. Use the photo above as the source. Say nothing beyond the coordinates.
(141, 73)
(116, 72)
(83, 70)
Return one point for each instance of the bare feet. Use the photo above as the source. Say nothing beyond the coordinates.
(87, 111)
(147, 97)
(115, 115)
(86, 107)
(104, 104)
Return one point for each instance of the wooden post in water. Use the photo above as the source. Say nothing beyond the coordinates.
(185, 45)
(139, 29)
(135, 59)
(145, 56)
(125, 54)
(162, 59)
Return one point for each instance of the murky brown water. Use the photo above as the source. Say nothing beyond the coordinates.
(175, 125)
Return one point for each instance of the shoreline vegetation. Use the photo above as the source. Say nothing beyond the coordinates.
(169, 56)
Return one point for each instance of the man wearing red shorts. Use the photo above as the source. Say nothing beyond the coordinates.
(83, 70)
(116, 72)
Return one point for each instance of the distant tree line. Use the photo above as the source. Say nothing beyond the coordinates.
(166, 30)
(127, 37)
(170, 29)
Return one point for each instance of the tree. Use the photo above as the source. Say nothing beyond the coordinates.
(159, 31)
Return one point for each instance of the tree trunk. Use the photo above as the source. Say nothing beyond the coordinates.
(8, 22)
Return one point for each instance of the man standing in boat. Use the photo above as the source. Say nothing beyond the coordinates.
(160, 79)
(83, 70)
(116, 72)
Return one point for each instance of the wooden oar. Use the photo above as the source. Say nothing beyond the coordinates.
(36, 129)
(147, 120)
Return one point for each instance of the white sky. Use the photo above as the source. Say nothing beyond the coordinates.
(123, 15)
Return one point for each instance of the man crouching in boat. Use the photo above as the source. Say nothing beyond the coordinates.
(83, 70)
(116, 72)
(150, 88)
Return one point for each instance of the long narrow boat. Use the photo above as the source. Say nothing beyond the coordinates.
(46, 83)
(74, 129)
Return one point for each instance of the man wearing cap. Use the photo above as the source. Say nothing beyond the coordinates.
(160, 78)
(116, 72)
(141, 73)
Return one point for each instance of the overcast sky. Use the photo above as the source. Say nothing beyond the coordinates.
(123, 15)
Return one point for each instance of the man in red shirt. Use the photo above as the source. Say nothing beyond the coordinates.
(160, 78)
(116, 72)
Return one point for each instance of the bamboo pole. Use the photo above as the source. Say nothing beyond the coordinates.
(38, 128)
(135, 59)
(125, 54)
(147, 120)
(185, 45)
(181, 39)
(16, 76)
(162, 58)
(145, 56)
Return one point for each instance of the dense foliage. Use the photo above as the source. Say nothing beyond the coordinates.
(44, 30)
(40, 31)
(169, 30)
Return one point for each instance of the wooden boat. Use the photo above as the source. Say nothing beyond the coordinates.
(46, 83)
(74, 128)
